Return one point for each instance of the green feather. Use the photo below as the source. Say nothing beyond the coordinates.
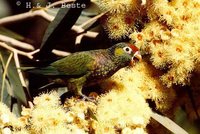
(75, 64)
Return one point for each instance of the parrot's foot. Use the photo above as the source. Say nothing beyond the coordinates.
(91, 99)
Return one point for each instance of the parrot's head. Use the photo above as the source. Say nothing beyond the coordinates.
(126, 52)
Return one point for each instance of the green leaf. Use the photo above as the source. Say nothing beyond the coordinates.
(6, 97)
(91, 114)
(12, 82)
(7, 32)
(17, 108)
(52, 11)
(57, 29)
(91, 10)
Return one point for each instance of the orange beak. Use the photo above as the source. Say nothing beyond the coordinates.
(136, 56)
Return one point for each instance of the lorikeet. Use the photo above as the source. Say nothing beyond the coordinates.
(85, 68)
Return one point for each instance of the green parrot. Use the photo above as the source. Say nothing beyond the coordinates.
(85, 68)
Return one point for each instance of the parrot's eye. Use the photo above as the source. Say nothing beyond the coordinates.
(127, 50)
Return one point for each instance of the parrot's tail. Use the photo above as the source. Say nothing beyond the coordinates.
(49, 85)
(26, 68)
(49, 70)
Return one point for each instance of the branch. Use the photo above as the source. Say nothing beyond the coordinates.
(16, 43)
(42, 13)
(60, 53)
(79, 29)
(17, 63)
(23, 16)
(87, 34)
(15, 50)
(30, 54)
(91, 21)
(21, 77)
(30, 14)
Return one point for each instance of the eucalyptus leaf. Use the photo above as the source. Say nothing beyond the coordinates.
(6, 96)
(57, 29)
(82, 19)
(52, 11)
(13, 84)
(7, 99)
(16, 109)
(9, 33)
(91, 10)
(91, 114)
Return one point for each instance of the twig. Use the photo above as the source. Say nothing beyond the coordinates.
(43, 14)
(30, 54)
(23, 16)
(34, 52)
(60, 53)
(84, 26)
(17, 63)
(88, 23)
(31, 14)
(4, 75)
(21, 77)
(16, 51)
(79, 29)
(87, 34)
(16, 43)
(30, 104)
(169, 124)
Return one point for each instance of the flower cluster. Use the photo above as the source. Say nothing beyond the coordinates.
(172, 39)
(8, 120)
(47, 116)
(120, 17)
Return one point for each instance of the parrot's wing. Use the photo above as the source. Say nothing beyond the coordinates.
(77, 64)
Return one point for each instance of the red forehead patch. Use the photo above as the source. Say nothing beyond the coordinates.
(133, 47)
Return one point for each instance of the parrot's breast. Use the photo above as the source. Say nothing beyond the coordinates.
(104, 67)
(103, 71)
